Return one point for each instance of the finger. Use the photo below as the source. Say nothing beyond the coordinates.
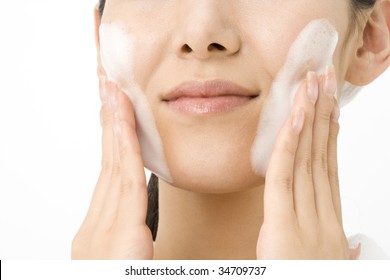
(133, 191)
(121, 112)
(332, 161)
(324, 108)
(109, 179)
(278, 196)
(303, 191)
(110, 145)
(101, 189)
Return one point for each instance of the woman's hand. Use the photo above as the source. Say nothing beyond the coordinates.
(302, 209)
(114, 227)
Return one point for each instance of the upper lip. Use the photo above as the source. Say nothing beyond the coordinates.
(206, 89)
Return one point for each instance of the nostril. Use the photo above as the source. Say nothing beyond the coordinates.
(216, 46)
(186, 48)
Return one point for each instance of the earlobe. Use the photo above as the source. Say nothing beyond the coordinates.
(372, 57)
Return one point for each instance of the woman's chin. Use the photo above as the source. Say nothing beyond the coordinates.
(215, 180)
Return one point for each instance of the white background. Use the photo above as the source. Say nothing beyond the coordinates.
(50, 134)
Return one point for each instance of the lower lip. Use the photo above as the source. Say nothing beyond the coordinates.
(208, 105)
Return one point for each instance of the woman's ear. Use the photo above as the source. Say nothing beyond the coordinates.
(97, 17)
(372, 57)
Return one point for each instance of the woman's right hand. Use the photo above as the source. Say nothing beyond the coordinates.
(114, 227)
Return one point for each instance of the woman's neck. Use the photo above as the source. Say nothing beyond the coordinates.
(208, 226)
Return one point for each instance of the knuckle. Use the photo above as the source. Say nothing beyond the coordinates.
(334, 177)
(323, 114)
(304, 163)
(334, 130)
(320, 159)
(286, 141)
(128, 146)
(326, 104)
(285, 183)
(286, 146)
(115, 168)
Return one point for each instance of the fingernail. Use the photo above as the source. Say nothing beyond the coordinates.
(330, 83)
(298, 121)
(312, 87)
(335, 116)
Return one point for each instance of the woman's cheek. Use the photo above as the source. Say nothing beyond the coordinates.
(312, 50)
(118, 50)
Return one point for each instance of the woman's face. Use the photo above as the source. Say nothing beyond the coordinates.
(207, 143)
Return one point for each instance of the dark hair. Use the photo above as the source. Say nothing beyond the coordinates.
(152, 213)
(363, 4)
(358, 6)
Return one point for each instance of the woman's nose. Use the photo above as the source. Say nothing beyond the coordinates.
(206, 30)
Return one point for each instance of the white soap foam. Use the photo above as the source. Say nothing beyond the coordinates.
(117, 53)
(312, 51)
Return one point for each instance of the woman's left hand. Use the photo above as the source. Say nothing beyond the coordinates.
(302, 208)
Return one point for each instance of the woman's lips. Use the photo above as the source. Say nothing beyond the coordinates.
(204, 105)
(214, 96)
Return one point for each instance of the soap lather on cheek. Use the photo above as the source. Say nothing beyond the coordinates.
(312, 51)
(117, 53)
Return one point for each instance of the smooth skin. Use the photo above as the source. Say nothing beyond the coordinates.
(295, 214)
(302, 211)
